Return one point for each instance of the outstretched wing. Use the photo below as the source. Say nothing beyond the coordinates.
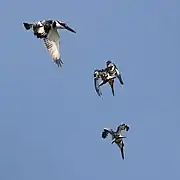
(105, 133)
(52, 43)
(122, 127)
(97, 88)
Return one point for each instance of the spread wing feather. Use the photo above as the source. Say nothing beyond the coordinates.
(106, 132)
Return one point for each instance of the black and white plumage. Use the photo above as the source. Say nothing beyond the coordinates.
(47, 30)
(122, 127)
(112, 69)
(116, 136)
(40, 28)
(96, 81)
(104, 77)
(120, 143)
(107, 75)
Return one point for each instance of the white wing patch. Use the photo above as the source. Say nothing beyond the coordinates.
(52, 43)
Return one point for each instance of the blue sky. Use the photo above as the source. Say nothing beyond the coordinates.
(51, 119)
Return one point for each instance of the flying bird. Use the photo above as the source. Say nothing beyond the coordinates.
(117, 136)
(47, 31)
(97, 76)
(112, 69)
(105, 77)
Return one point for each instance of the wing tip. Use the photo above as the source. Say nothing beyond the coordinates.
(27, 25)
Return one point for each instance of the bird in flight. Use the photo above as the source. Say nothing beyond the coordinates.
(112, 69)
(107, 75)
(47, 31)
(117, 136)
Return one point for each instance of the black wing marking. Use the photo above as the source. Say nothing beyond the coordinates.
(106, 132)
(27, 26)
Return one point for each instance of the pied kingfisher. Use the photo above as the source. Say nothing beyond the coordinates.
(116, 136)
(105, 77)
(47, 30)
(112, 69)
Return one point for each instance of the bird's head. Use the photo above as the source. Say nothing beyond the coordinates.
(108, 62)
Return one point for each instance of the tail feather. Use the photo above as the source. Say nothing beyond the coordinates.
(27, 26)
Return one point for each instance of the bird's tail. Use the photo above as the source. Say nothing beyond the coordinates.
(27, 26)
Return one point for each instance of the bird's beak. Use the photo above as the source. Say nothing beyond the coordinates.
(69, 29)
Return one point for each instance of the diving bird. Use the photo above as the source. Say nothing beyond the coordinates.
(112, 69)
(105, 77)
(47, 31)
(117, 136)
(109, 74)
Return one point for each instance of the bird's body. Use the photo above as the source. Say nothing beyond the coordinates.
(47, 30)
(105, 77)
(117, 136)
(112, 69)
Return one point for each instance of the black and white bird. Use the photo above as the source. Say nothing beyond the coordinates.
(117, 136)
(104, 77)
(112, 69)
(47, 30)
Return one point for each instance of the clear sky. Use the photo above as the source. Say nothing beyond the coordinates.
(51, 118)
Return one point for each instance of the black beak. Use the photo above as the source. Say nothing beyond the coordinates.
(69, 29)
